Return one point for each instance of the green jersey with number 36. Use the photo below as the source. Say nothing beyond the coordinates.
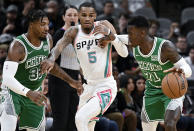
(151, 65)
(28, 73)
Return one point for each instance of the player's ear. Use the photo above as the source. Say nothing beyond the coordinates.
(79, 15)
(30, 24)
(144, 32)
(95, 16)
(63, 17)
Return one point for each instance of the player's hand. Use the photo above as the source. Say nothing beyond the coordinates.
(101, 29)
(46, 66)
(80, 91)
(108, 36)
(104, 41)
(77, 85)
(174, 69)
(37, 97)
(48, 107)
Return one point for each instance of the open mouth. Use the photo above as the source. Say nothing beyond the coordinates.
(45, 33)
(86, 23)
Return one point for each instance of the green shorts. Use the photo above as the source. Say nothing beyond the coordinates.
(31, 115)
(154, 104)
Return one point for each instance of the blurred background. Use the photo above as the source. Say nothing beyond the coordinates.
(169, 19)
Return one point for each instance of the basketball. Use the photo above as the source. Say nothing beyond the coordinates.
(174, 85)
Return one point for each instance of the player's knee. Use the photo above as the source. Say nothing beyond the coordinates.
(170, 124)
(8, 122)
(79, 118)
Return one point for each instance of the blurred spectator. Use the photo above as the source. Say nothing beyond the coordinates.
(154, 26)
(174, 32)
(108, 12)
(12, 23)
(134, 5)
(139, 91)
(105, 124)
(118, 111)
(28, 5)
(2, 60)
(129, 87)
(185, 123)
(41, 4)
(137, 95)
(187, 27)
(190, 61)
(48, 112)
(127, 91)
(122, 8)
(123, 22)
(18, 3)
(3, 50)
(6, 39)
(186, 3)
(2, 16)
(125, 65)
(51, 29)
(182, 45)
(53, 12)
(64, 114)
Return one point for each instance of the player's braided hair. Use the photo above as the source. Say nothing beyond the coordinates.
(35, 15)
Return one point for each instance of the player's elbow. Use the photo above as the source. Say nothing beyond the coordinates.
(188, 72)
(7, 80)
(124, 54)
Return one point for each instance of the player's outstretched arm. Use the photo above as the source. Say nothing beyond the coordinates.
(60, 73)
(169, 52)
(68, 38)
(16, 54)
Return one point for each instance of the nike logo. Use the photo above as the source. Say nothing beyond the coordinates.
(30, 52)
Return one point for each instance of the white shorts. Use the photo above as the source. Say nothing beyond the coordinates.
(105, 90)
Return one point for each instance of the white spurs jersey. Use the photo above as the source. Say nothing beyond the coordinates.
(96, 62)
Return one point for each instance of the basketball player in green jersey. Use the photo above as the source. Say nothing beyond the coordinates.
(156, 57)
(22, 78)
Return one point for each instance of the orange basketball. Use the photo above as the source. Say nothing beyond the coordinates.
(174, 85)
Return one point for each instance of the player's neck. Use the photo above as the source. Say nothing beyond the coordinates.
(146, 45)
(87, 30)
(66, 26)
(33, 39)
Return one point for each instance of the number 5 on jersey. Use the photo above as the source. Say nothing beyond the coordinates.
(92, 57)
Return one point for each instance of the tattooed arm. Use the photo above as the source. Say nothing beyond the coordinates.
(67, 38)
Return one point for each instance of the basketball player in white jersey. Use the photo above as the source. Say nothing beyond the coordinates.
(96, 64)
